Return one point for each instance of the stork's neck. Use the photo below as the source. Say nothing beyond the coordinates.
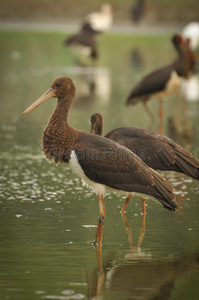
(97, 128)
(59, 137)
(184, 65)
(61, 113)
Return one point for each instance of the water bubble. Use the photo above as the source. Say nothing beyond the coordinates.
(40, 292)
(18, 215)
(67, 292)
(89, 226)
(15, 55)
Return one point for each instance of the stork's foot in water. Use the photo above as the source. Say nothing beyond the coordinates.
(98, 238)
(101, 219)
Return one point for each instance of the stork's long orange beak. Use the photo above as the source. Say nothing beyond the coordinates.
(50, 93)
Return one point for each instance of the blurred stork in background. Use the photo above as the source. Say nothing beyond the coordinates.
(85, 42)
(138, 11)
(166, 80)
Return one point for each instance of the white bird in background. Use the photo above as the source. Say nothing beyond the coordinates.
(99, 22)
(191, 32)
(190, 88)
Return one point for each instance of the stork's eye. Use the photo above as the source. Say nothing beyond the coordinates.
(57, 84)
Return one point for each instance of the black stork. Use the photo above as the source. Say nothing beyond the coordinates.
(166, 80)
(101, 163)
(85, 42)
(156, 150)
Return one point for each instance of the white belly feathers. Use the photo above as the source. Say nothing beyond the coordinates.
(99, 189)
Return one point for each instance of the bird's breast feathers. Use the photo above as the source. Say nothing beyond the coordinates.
(174, 82)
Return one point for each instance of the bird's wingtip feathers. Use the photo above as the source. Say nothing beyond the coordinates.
(165, 191)
(171, 207)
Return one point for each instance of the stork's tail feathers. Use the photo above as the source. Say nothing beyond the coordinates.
(164, 191)
(187, 163)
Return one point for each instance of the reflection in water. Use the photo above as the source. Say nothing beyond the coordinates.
(138, 275)
(149, 279)
(102, 277)
(87, 90)
(141, 236)
(180, 126)
(179, 131)
(137, 60)
(93, 83)
(103, 84)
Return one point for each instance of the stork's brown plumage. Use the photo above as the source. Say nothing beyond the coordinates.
(156, 150)
(166, 80)
(101, 163)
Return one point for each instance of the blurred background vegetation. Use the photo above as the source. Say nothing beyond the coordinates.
(59, 11)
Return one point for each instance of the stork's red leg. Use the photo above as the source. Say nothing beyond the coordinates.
(160, 108)
(102, 212)
(128, 197)
(160, 112)
(143, 205)
(144, 102)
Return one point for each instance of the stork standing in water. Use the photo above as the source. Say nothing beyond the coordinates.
(85, 42)
(101, 163)
(157, 151)
(166, 80)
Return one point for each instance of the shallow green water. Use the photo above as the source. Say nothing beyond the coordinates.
(48, 220)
